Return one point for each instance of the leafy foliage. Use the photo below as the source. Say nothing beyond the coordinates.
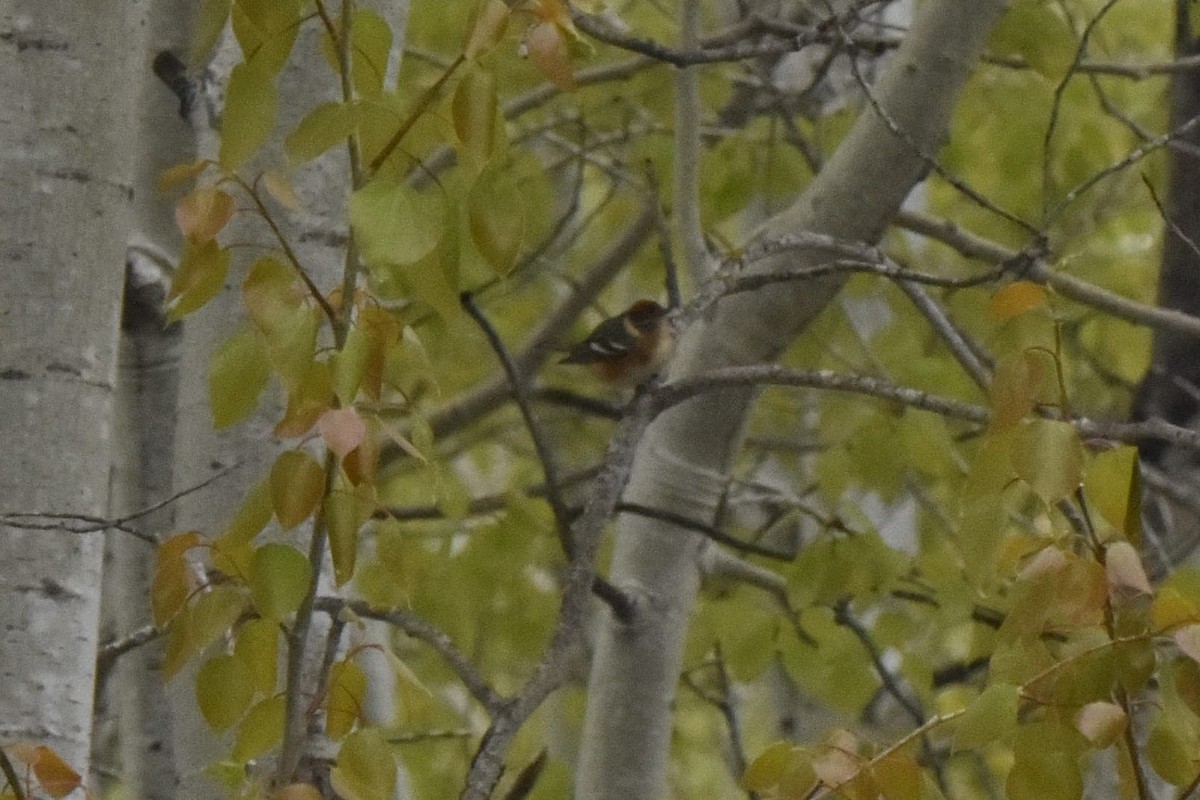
(1011, 626)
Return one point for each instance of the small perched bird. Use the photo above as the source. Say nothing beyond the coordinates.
(630, 348)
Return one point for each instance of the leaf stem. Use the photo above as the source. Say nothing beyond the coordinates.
(292, 258)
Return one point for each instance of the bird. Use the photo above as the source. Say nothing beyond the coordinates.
(628, 349)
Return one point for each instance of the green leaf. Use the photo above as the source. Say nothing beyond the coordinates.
(200, 275)
(496, 219)
(346, 510)
(326, 125)
(251, 103)
(1048, 455)
(1172, 749)
(1114, 489)
(208, 23)
(349, 365)
(215, 613)
(991, 717)
(223, 691)
(476, 115)
(765, 772)
(266, 31)
(344, 700)
(1046, 764)
(270, 293)
(366, 769)
(487, 27)
(396, 224)
(237, 376)
(1031, 29)
(276, 305)
(252, 516)
(297, 483)
(371, 45)
(279, 579)
(261, 730)
(257, 647)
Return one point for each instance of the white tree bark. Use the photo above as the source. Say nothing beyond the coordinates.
(685, 456)
(66, 187)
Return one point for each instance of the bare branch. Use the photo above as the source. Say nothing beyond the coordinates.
(974, 246)
(424, 631)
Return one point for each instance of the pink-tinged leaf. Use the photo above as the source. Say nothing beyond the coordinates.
(1048, 560)
(1124, 568)
(838, 762)
(547, 48)
(203, 213)
(1101, 723)
(342, 429)
(1188, 640)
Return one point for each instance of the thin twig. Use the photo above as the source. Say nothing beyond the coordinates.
(488, 504)
(621, 606)
(420, 629)
(1060, 90)
(94, 524)
(709, 531)
(520, 390)
(974, 246)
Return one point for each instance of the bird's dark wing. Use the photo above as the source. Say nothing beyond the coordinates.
(611, 339)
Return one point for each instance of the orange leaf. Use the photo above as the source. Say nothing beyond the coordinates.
(171, 585)
(547, 48)
(202, 214)
(1016, 298)
(52, 773)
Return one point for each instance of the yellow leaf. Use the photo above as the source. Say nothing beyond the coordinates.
(181, 173)
(261, 730)
(344, 701)
(297, 483)
(223, 691)
(279, 580)
(487, 27)
(199, 276)
(237, 376)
